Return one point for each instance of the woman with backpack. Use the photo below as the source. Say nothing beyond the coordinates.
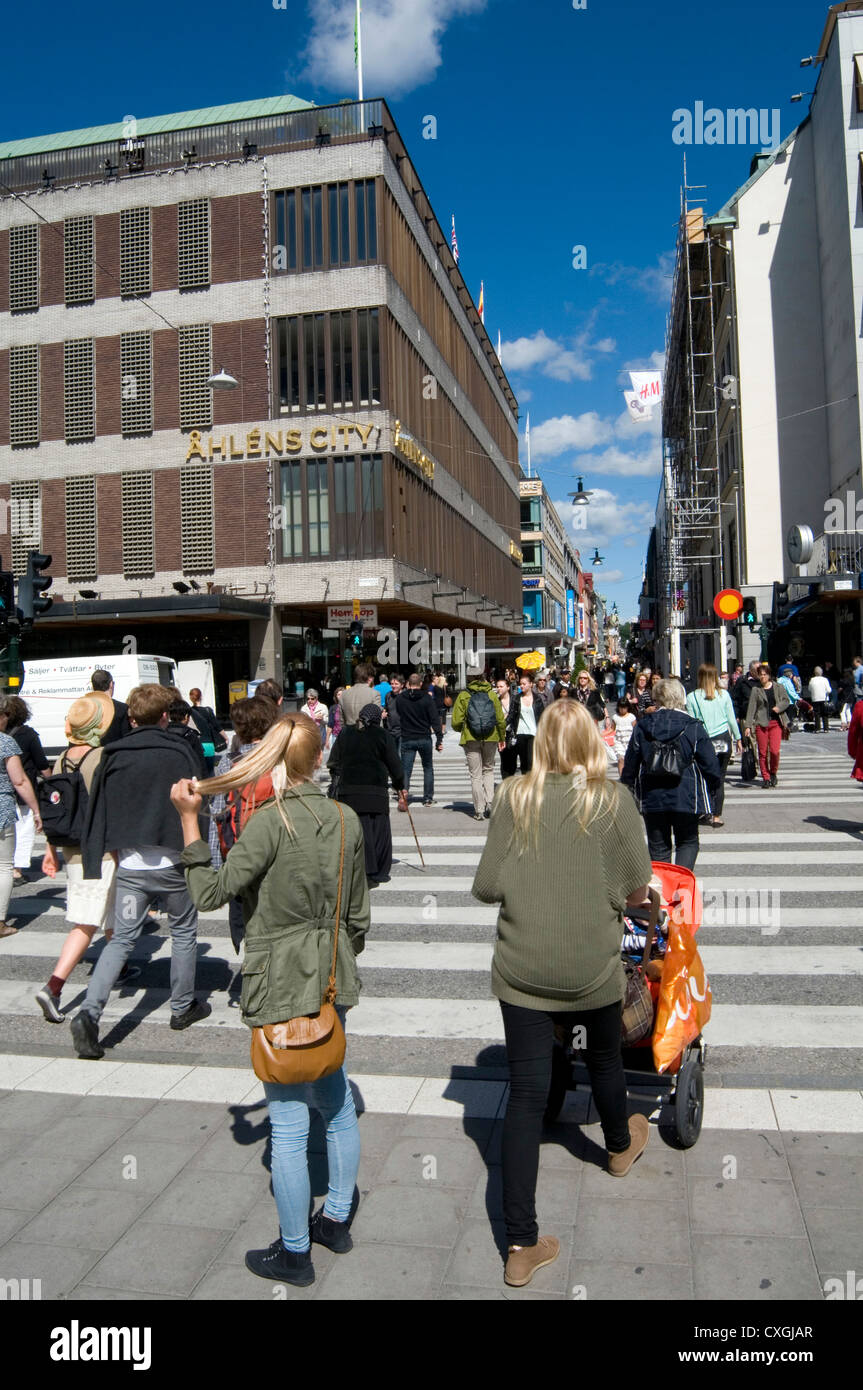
(712, 705)
(89, 902)
(566, 834)
(478, 714)
(299, 856)
(672, 771)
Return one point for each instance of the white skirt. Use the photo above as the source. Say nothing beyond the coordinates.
(90, 901)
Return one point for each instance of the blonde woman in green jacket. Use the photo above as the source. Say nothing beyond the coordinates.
(285, 867)
(480, 743)
(712, 705)
(561, 833)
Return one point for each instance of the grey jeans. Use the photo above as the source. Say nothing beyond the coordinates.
(137, 890)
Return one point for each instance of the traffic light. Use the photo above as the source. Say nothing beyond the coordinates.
(30, 586)
(749, 613)
(7, 601)
(355, 636)
(781, 603)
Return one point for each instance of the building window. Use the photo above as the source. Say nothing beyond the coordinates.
(292, 511)
(25, 522)
(314, 352)
(81, 536)
(23, 268)
(24, 395)
(532, 557)
(317, 492)
(79, 397)
(197, 527)
(369, 357)
(139, 545)
(340, 223)
(78, 259)
(367, 231)
(136, 383)
(285, 250)
(195, 360)
(345, 500)
(531, 514)
(858, 80)
(135, 254)
(532, 608)
(288, 364)
(371, 539)
(342, 358)
(193, 243)
(312, 203)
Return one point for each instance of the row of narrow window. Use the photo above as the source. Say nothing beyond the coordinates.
(315, 228)
(322, 361)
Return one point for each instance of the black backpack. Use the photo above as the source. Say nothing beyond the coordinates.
(481, 717)
(63, 802)
(665, 763)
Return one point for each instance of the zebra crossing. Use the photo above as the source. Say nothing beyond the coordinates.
(782, 939)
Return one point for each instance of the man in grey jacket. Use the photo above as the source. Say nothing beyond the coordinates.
(360, 694)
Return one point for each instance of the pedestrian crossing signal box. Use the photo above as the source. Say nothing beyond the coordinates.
(355, 636)
(781, 603)
(749, 613)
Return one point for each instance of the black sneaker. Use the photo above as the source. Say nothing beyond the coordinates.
(284, 1266)
(774, 782)
(486, 815)
(195, 1012)
(49, 1005)
(85, 1036)
(333, 1234)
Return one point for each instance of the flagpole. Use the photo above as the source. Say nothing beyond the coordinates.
(527, 437)
(359, 53)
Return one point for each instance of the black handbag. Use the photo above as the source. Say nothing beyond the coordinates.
(748, 767)
(664, 762)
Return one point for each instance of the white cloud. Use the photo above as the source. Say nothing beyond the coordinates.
(401, 43)
(653, 281)
(607, 519)
(564, 432)
(642, 463)
(604, 576)
(548, 354)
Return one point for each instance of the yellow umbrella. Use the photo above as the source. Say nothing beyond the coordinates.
(530, 661)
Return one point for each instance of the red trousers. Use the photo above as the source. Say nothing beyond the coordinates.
(769, 742)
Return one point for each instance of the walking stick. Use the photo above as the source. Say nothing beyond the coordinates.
(414, 829)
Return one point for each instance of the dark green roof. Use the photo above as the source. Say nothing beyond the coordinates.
(155, 125)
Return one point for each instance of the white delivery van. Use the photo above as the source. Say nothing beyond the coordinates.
(51, 685)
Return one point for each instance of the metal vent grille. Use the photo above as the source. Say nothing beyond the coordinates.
(193, 243)
(136, 383)
(24, 395)
(81, 538)
(139, 540)
(23, 268)
(196, 355)
(78, 259)
(25, 522)
(197, 526)
(135, 255)
(79, 402)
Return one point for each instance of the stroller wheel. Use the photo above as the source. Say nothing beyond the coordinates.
(688, 1104)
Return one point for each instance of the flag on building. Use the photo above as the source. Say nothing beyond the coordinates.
(481, 305)
(454, 241)
(498, 346)
(358, 50)
(356, 36)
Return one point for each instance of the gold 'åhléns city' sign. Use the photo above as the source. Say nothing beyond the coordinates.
(409, 449)
(260, 444)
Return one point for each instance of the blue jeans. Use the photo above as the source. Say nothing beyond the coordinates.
(410, 748)
(289, 1121)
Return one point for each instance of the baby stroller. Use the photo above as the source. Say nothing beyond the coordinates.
(680, 1084)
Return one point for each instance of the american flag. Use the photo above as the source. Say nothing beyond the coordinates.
(454, 241)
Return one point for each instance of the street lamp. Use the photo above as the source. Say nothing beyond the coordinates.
(222, 381)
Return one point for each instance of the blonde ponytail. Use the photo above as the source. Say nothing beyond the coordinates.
(288, 751)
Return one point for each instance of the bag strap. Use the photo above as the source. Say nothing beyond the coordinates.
(64, 760)
(330, 996)
(655, 905)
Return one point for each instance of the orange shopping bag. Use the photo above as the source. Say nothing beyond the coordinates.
(685, 998)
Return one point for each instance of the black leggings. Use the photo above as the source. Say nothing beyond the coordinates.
(529, 1045)
(520, 753)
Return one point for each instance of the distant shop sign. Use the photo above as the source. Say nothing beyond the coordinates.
(341, 615)
(533, 583)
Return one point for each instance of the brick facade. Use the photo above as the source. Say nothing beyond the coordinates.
(54, 522)
(109, 508)
(166, 497)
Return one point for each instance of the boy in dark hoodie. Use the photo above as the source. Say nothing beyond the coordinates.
(130, 811)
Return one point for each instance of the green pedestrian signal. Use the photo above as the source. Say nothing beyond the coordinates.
(749, 613)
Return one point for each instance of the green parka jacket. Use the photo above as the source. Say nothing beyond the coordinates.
(288, 886)
(459, 714)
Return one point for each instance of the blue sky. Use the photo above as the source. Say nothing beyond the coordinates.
(553, 131)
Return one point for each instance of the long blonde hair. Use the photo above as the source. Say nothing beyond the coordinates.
(708, 679)
(567, 741)
(289, 751)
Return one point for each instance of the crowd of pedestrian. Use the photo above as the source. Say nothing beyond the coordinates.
(151, 811)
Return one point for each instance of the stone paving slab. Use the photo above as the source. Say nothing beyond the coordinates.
(742, 1215)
